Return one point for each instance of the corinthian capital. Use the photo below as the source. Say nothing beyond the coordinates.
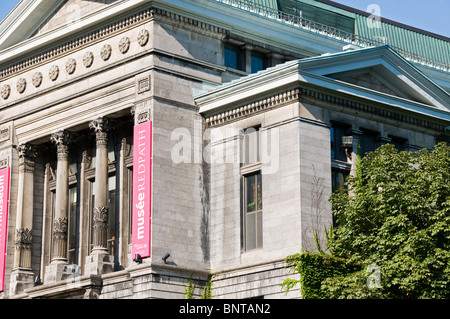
(61, 139)
(100, 125)
(27, 154)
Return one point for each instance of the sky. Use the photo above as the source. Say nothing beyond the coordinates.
(430, 15)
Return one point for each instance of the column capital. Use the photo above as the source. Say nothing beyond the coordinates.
(27, 155)
(100, 125)
(27, 151)
(62, 139)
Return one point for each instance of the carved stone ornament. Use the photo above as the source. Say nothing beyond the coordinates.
(53, 73)
(99, 125)
(124, 45)
(100, 216)
(6, 91)
(61, 139)
(60, 228)
(23, 238)
(143, 37)
(71, 66)
(88, 59)
(105, 52)
(21, 85)
(37, 79)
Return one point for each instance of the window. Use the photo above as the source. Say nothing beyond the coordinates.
(73, 226)
(251, 146)
(253, 211)
(368, 141)
(258, 62)
(233, 57)
(252, 196)
(337, 131)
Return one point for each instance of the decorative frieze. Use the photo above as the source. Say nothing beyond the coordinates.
(251, 108)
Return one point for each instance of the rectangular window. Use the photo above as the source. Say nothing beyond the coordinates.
(233, 57)
(73, 226)
(258, 62)
(337, 131)
(251, 146)
(253, 211)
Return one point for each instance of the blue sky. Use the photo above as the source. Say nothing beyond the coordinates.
(431, 15)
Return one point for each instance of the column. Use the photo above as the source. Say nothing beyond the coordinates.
(22, 276)
(57, 270)
(99, 261)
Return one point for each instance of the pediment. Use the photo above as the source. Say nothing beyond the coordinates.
(31, 18)
(379, 70)
(380, 81)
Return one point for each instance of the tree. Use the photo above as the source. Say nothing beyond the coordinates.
(393, 229)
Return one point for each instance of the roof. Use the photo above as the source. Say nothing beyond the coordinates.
(415, 92)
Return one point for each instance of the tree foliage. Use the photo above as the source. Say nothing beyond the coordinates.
(396, 216)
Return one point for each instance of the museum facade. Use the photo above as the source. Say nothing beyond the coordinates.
(143, 143)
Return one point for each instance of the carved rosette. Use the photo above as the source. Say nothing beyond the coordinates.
(143, 37)
(27, 154)
(6, 91)
(124, 45)
(21, 85)
(105, 52)
(88, 59)
(61, 139)
(100, 227)
(37, 79)
(53, 73)
(60, 238)
(71, 66)
(101, 127)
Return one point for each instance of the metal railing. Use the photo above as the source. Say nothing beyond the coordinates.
(296, 20)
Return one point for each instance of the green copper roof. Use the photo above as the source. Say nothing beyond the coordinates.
(407, 40)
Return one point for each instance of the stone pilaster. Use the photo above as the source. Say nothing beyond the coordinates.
(22, 275)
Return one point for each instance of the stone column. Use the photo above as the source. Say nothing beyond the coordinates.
(57, 270)
(99, 262)
(22, 276)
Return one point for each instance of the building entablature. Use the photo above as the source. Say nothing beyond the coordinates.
(373, 83)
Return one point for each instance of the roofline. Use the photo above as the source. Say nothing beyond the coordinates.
(398, 24)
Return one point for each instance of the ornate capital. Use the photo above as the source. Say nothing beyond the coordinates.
(60, 228)
(101, 217)
(101, 126)
(62, 139)
(27, 154)
(23, 238)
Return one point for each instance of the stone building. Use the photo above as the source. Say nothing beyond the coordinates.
(255, 110)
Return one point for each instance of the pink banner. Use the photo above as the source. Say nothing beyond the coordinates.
(142, 174)
(4, 204)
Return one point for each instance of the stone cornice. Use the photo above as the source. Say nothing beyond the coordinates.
(325, 100)
(253, 108)
(105, 32)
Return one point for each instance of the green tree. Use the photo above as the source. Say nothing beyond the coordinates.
(393, 226)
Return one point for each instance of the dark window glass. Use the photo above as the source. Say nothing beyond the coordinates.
(253, 211)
